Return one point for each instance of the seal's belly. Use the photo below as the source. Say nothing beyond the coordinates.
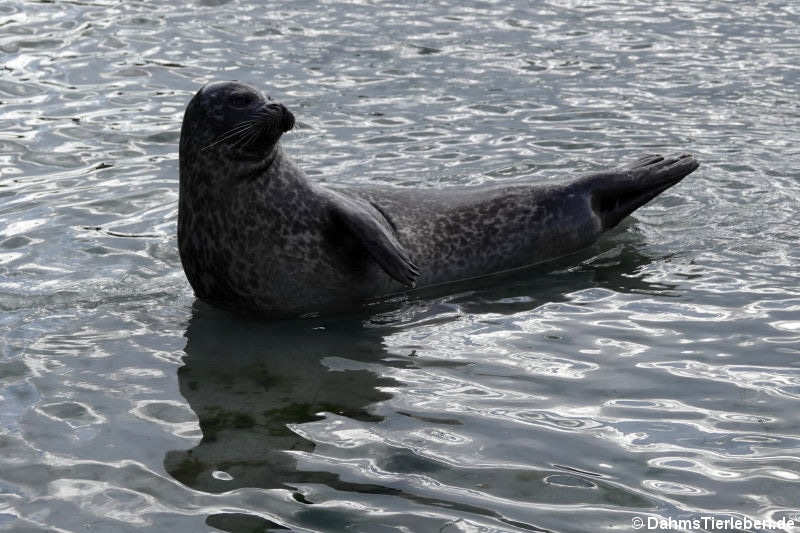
(312, 270)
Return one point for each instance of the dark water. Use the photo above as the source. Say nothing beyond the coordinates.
(655, 375)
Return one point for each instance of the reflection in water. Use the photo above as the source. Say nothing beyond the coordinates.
(248, 381)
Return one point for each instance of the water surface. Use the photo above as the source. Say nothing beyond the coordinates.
(654, 375)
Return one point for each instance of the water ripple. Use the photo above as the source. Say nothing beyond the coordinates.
(651, 375)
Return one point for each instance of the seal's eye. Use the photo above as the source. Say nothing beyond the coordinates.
(241, 100)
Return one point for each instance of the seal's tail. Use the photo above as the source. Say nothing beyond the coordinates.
(617, 194)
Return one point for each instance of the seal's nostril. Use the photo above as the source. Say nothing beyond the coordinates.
(284, 117)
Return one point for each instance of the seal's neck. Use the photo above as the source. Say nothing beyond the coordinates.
(278, 171)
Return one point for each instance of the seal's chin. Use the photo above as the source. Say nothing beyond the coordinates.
(254, 151)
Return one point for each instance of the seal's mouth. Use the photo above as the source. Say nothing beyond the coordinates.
(271, 121)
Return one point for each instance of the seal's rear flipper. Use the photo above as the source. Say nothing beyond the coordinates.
(617, 194)
(379, 240)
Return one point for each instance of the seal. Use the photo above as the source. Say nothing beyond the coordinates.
(255, 234)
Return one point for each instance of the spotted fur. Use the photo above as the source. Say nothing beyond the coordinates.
(255, 233)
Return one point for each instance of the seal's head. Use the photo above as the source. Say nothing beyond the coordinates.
(232, 120)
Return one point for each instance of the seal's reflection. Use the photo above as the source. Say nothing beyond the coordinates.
(249, 380)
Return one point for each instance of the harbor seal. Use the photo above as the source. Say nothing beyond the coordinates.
(255, 234)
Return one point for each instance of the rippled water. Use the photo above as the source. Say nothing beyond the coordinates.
(654, 375)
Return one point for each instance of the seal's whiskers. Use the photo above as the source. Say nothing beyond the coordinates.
(262, 119)
(240, 129)
(249, 135)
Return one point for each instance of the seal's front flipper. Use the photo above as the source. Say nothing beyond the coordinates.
(379, 241)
